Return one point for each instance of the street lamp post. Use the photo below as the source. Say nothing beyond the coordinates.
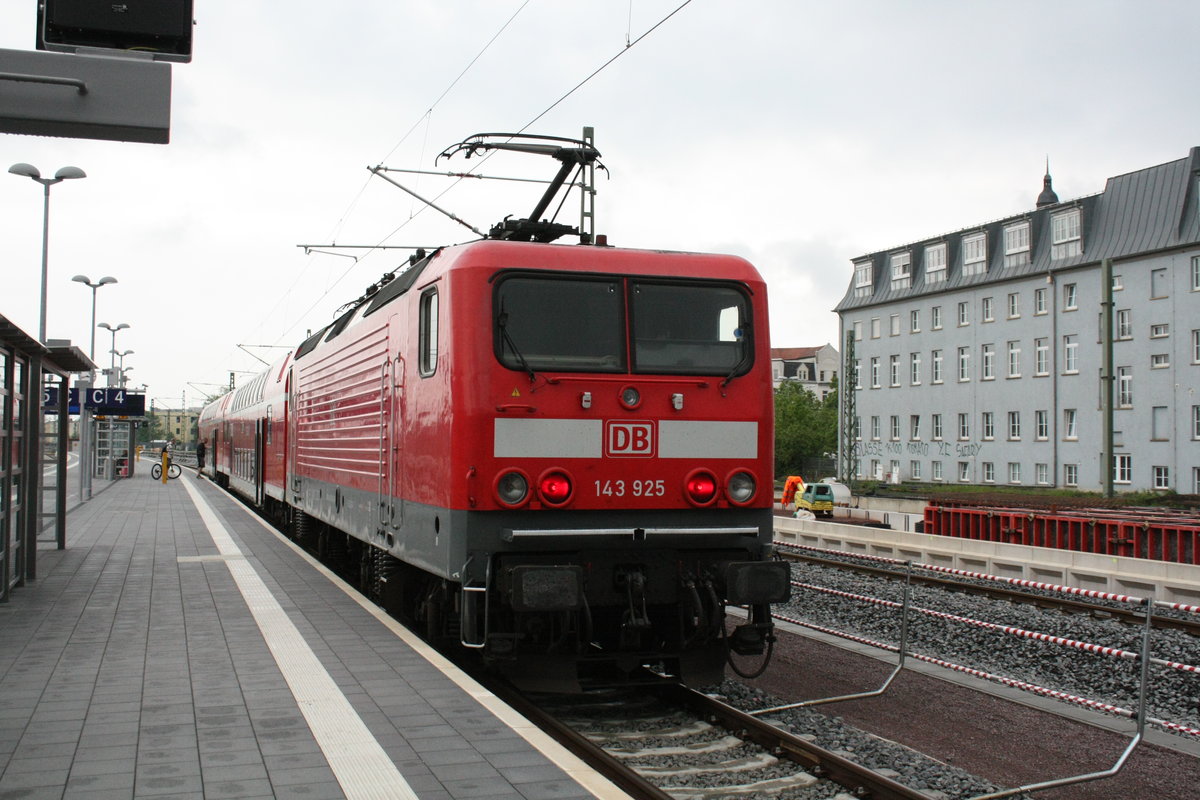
(121, 355)
(66, 173)
(113, 328)
(107, 279)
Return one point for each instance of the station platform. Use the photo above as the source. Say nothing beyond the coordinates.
(181, 648)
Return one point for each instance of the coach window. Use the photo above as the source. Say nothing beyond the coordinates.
(428, 333)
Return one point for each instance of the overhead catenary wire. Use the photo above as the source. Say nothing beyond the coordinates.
(425, 117)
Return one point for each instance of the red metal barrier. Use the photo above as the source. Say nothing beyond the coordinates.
(1131, 533)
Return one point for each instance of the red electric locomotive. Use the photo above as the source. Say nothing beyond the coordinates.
(560, 455)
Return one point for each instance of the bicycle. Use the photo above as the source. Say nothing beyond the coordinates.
(173, 471)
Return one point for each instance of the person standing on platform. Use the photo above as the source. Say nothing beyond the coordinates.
(201, 449)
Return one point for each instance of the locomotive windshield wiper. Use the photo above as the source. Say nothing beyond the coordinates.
(502, 324)
(740, 363)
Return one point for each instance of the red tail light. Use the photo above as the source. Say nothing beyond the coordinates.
(701, 487)
(554, 488)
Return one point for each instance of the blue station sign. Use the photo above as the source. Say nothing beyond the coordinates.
(117, 402)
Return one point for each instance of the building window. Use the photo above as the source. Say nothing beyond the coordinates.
(1014, 359)
(914, 369)
(1041, 356)
(964, 364)
(862, 279)
(894, 470)
(936, 425)
(1123, 469)
(858, 330)
(1070, 431)
(874, 373)
(894, 370)
(895, 324)
(974, 254)
(1070, 297)
(901, 270)
(1196, 422)
(914, 427)
(1070, 354)
(936, 377)
(875, 428)
(875, 328)
(1041, 424)
(876, 472)
(1039, 301)
(1016, 244)
(964, 314)
(988, 357)
(1070, 474)
(987, 421)
(1158, 283)
(935, 318)
(1124, 387)
(1124, 324)
(937, 470)
(964, 471)
(858, 373)
(1160, 360)
(935, 263)
(986, 310)
(1195, 480)
(1014, 472)
(989, 472)
(1116, 283)
(1196, 346)
(1014, 305)
(964, 427)
(914, 469)
(1160, 424)
(1196, 273)
(914, 321)
(1042, 473)
(895, 428)
(1160, 331)
(1065, 237)
(1014, 426)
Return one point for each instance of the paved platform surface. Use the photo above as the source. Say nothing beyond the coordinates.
(179, 648)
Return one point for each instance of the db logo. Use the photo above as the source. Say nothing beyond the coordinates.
(629, 439)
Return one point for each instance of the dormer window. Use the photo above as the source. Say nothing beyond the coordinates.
(862, 279)
(1066, 236)
(935, 263)
(975, 254)
(901, 270)
(1016, 244)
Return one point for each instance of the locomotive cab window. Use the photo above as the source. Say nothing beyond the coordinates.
(578, 324)
(689, 329)
(428, 333)
(560, 324)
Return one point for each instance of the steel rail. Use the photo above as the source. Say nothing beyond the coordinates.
(859, 781)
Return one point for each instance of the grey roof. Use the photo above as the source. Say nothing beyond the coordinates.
(1141, 212)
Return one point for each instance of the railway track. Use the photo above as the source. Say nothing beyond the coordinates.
(674, 742)
(919, 577)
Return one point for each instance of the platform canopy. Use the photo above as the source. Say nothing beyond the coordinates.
(79, 96)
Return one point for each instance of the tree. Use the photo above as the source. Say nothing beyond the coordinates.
(805, 426)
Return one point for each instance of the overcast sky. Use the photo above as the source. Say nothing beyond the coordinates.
(797, 134)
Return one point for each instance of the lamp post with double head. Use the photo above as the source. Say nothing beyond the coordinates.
(86, 281)
(113, 329)
(121, 366)
(31, 172)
